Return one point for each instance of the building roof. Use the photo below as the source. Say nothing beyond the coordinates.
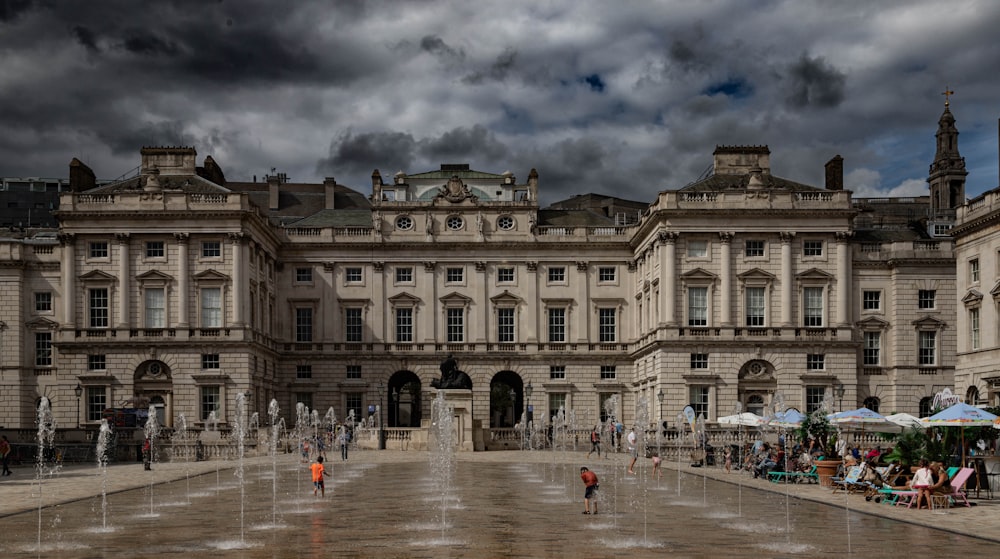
(718, 182)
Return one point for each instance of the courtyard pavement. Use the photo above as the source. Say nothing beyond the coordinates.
(19, 493)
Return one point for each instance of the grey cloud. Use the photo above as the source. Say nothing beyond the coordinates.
(86, 37)
(814, 82)
(498, 71)
(355, 154)
(465, 144)
(124, 139)
(436, 46)
(10, 10)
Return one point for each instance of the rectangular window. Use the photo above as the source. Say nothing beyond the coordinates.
(815, 362)
(97, 363)
(557, 274)
(974, 270)
(925, 298)
(814, 398)
(210, 361)
(753, 249)
(505, 326)
(352, 403)
(871, 300)
(97, 402)
(43, 302)
(155, 249)
(812, 248)
(755, 307)
(43, 349)
(303, 275)
(698, 306)
(303, 371)
(557, 401)
(699, 360)
(697, 249)
(607, 274)
(211, 249)
(353, 275)
(404, 325)
(210, 400)
(352, 325)
(211, 307)
(304, 398)
(99, 249)
(974, 327)
(607, 325)
(404, 275)
(505, 275)
(609, 372)
(353, 371)
(557, 372)
(928, 348)
(557, 326)
(99, 312)
(813, 306)
(699, 400)
(454, 275)
(156, 308)
(456, 325)
(872, 349)
(303, 325)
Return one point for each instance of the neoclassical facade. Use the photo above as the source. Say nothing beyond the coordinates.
(179, 289)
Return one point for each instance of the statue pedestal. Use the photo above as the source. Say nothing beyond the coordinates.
(460, 400)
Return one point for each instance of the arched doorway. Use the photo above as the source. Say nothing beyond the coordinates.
(154, 388)
(404, 400)
(756, 385)
(506, 399)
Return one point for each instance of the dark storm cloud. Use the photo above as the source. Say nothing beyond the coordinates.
(129, 138)
(354, 154)
(148, 44)
(10, 10)
(814, 82)
(86, 37)
(502, 66)
(436, 46)
(465, 144)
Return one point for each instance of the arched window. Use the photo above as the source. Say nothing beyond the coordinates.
(872, 403)
(972, 396)
(755, 404)
(925, 406)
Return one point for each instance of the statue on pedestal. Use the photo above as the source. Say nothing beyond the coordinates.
(451, 377)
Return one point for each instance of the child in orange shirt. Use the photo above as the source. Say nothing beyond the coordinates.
(318, 473)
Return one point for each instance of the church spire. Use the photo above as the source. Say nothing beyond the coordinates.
(947, 172)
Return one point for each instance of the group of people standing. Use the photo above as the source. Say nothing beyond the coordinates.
(318, 444)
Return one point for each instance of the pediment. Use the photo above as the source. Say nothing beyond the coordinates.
(699, 274)
(929, 323)
(756, 275)
(154, 275)
(814, 274)
(505, 298)
(404, 299)
(872, 323)
(995, 292)
(211, 275)
(41, 323)
(972, 298)
(98, 276)
(455, 298)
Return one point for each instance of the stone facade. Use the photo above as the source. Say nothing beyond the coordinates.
(179, 289)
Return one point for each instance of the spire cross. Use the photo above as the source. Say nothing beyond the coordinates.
(947, 93)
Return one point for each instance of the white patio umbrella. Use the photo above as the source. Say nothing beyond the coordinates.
(788, 419)
(960, 415)
(864, 419)
(904, 420)
(745, 419)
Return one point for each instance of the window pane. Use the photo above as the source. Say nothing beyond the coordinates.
(698, 306)
(155, 308)
(43, 349)
(96, 403)
(404, 325)
(99, 308)
(873, 341)
(352, 325)
(303, 325)
(557, 325)
(928, 347)
(505, 325)
(755, 306)
(211, 307)
(456, 325)
(209, 401)
(813, 306)
(606, 325)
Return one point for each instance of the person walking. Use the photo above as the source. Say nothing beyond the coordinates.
(657, 470)
(595, 442)
(318, 473)
(633, 449)
(343, 440)
(147, 454)
(5, 450)
(590, 482)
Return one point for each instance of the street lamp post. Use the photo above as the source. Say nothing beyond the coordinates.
(840, 396)
(395, 405)
(79, 392)
(527, 414)
(659, 399)
(381, 425)
(513, 407)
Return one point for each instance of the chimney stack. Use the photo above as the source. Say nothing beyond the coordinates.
(835, 173)
(81, 177)
(330, 187)
(272, 189)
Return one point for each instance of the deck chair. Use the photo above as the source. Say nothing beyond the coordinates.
(957, 493)
(795, 477)
(849, 482)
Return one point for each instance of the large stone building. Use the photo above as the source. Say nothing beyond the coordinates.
(179, 289)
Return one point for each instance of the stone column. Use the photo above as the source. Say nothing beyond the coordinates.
(786, 277)
(843, 278)
(124, 286)
(726, 275)
(537, 309)
(430, 319)
(583, 298)
(68, 266)
(668, 269)
(183, 277)
(239, 278)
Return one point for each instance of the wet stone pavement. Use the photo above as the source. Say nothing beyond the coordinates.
(498, 504)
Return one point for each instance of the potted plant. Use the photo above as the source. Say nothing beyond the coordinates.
(817, 426)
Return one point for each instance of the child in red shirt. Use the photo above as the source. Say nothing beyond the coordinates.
(590, 480)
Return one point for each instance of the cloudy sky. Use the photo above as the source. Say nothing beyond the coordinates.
(614, 97)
